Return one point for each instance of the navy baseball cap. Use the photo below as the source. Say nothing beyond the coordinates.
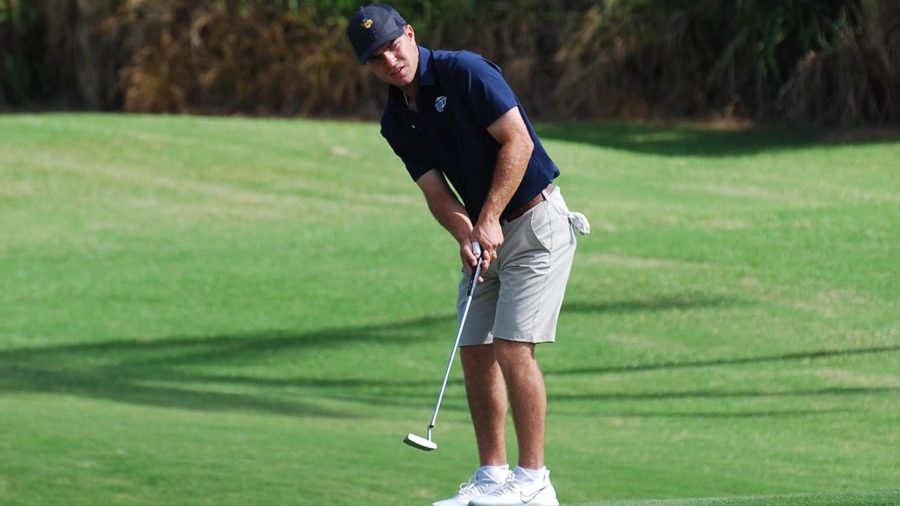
(373, 26)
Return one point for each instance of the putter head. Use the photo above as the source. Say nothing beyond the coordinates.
(420, 442)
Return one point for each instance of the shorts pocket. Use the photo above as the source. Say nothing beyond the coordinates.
(542, 226)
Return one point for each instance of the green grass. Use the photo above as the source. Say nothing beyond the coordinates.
(871, 498)
(212, 311)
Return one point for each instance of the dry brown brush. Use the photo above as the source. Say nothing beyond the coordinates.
(190, 56)
(818, 62)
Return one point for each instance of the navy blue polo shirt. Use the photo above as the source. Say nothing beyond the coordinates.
(460, 94)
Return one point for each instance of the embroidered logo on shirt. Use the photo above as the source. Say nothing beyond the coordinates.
(440, 103)
(367, 23)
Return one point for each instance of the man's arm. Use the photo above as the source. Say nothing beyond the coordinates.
(516, 146)
(449, 212)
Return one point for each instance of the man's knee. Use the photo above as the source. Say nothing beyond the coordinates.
(478, 357)
(513, 353)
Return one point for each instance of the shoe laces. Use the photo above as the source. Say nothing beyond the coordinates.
(473, 486)
(512, 485)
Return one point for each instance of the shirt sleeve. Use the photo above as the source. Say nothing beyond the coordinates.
(415, 156)
(487, 94)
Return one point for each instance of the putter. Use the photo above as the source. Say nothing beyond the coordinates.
(426, 443)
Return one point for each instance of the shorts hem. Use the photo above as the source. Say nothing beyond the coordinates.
(530, 340)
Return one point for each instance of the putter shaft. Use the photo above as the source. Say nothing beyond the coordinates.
(462, 323)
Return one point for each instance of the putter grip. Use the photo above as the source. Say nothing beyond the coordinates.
(476, 249)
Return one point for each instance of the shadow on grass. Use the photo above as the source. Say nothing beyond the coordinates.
(679, 302)
(691, 364)
(725, 394)
(770, 413)
(718, 395)
(173, 373)
(158, 372)
(679, 140)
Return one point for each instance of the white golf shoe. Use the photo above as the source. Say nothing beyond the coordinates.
(521, 490)
(481, 484)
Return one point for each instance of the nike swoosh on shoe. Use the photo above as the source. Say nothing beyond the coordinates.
(530, 497)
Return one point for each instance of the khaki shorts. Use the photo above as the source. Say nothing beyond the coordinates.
(523, 289)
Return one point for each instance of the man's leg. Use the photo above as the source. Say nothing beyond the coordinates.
(486, 393)
(527, 396)
(534, 266)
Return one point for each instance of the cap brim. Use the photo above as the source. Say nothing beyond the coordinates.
(364, 57)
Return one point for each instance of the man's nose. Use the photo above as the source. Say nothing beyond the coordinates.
(388, 58)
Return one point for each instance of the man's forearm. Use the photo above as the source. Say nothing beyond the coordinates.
(512, 160)
(452, 216)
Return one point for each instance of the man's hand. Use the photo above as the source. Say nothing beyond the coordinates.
(489, 235)
(470, 253)
(469, 260)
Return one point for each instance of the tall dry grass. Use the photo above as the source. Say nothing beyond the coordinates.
(18, 78)
(819, 62)
(825, 62)
(192, 56)
(854, 79)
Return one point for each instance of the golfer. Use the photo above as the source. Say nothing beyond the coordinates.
(453, 120)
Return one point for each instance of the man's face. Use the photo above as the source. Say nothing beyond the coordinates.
(397, 62)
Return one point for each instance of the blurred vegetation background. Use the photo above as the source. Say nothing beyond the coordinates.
(808, 62)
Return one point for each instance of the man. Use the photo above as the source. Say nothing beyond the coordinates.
(451, 117)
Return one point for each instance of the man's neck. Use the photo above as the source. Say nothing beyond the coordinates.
(411, 90)
(411, 103)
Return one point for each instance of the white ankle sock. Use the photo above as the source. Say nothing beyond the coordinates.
(530, 475)
(495, 473)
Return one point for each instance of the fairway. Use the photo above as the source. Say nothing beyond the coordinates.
(231, 311)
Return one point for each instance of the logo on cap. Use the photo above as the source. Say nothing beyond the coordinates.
(367, 23)
(440, 103)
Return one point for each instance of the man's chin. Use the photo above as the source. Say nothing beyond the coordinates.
(401, 81)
